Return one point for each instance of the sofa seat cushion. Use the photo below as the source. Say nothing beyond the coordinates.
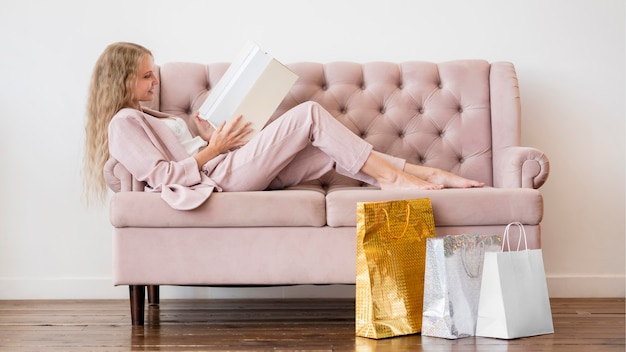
(228, 209)
(451, 207)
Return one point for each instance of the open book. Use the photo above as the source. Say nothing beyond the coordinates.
(253, 86)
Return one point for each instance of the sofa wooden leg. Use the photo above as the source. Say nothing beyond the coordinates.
(153, 295)
(137, 303)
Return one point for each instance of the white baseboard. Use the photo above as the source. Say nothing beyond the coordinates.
(102, 288)
(297, 291)
(60, 288)
(571, 286)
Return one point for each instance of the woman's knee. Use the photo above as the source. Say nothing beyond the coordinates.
(310, 107)
(304, 112)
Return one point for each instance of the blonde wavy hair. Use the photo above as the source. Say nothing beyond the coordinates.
(110, 90)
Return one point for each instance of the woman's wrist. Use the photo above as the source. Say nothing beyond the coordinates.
(204, 155)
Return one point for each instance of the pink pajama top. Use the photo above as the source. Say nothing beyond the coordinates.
(152, 153)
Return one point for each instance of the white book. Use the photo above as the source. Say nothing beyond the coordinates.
(253, 86)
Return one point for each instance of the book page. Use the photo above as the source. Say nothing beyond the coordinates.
(233, 86)
(253, 86)
(264, 97)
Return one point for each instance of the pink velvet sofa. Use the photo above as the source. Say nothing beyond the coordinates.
(463, 116)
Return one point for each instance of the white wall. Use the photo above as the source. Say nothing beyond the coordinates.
(569, 56)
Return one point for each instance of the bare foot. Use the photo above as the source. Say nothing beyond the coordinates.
(413, 176)
(441, 177)
(404, 180)
(450, 180)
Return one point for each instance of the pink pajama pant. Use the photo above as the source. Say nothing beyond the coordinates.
(301, 145)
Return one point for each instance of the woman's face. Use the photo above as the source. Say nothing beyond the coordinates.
(146, 80)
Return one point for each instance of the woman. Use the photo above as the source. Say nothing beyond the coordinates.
(303, 144)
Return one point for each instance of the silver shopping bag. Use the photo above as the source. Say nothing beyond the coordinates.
(452, 283)
(514, 300)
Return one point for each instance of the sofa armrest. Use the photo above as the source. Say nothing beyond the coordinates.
(520, 167)
(119, 179)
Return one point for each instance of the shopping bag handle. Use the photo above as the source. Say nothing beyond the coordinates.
(406, 225)
(470, 274)
(506, 237)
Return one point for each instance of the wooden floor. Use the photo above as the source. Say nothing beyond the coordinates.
(273, 325)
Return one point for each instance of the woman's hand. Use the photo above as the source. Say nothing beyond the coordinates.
(204, 128)
(226, 137)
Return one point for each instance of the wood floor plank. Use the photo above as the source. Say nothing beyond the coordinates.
(273, 325)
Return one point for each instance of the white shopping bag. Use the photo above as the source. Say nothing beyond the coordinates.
(514, 300)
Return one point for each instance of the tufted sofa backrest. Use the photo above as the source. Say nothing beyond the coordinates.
(454, 115)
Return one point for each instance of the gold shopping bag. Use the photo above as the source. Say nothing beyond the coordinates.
(391, 255)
